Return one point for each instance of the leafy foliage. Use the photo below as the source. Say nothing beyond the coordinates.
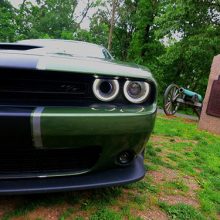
(49, 18)
(7, 21)
(191, 30)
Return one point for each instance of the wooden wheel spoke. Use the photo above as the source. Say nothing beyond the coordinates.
(168, 104)
(176, 92)
(173, 91)
(170, 107)
(176, 96)
(170, 95)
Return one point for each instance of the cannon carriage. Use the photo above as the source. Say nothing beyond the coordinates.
(176, 96)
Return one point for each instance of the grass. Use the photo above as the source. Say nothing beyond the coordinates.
(183, 182)
(176, 185)
(105, 214)
(197, 155)
(182, 212)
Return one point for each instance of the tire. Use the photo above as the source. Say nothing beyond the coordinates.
(170, 106)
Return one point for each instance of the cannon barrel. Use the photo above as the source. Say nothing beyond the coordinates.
(190, 93)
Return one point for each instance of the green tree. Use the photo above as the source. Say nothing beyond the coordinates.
(99, 27)
(7, 21)
(119, 36)
(191, 31)
(145, 48)
(124, 29)
(53, 18)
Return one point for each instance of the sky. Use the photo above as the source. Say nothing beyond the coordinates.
(81, 5)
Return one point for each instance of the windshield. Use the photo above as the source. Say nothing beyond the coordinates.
(70, 48)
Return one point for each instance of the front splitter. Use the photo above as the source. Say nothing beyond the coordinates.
(104, 178)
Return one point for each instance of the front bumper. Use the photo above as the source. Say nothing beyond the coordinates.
(99, 179)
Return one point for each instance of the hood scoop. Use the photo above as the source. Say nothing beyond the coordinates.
(14, 46)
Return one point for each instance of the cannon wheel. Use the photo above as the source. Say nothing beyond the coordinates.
(170, 104)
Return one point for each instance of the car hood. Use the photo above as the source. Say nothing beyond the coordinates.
(55, 62)
(94, 66)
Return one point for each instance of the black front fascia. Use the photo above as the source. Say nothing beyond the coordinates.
(15, 127)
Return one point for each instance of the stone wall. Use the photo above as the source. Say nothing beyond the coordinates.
(208, 122)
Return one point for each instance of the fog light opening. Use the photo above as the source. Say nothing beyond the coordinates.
(125, 158)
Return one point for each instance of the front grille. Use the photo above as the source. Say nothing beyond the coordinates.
(47, 162)
(44, 88)
(31, 88)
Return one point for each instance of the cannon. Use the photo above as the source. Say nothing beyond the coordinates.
(175, 96)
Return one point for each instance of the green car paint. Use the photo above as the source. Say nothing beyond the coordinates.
(93, 66)
(113, 129)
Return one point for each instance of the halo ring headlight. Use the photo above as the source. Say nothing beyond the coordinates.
(106, 90)
(136, 92)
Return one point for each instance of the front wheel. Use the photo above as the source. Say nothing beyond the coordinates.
(170, 104)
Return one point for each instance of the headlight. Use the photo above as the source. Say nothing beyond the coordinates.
(136, 92)
(105, 90)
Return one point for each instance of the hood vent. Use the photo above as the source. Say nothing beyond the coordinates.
(14, 46)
